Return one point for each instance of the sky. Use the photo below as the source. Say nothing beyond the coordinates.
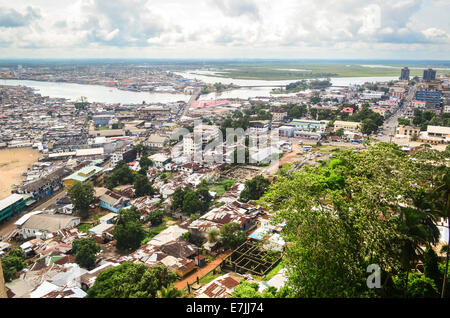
(243, 29)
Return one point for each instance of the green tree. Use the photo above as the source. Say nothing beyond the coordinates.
(82, 196)
(247, 289)
(128, 232)
(346, 214)
(156, 217)
(121, 174)
(177, 198)
(131, 280)
(431, 266)
(231, 235)
(169, 292)
(191, 203)
(142, 186)
(145, 162)
(85, 250)
(13, 263)
(254, 188)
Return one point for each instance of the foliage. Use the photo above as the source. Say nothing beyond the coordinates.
(247, 289)
(82, 196)
(13, 263)
(131, 280)
(156, 217)
(142, 186)
(254, 188)
(190, 201)
(361, 208)
(423, 118)
(231, 235)
(404, 122)
(85, 250)
(121, 174)
(128, 232)
(431, 266)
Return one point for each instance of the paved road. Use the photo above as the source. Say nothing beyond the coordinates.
(390, 125)
(193, 98)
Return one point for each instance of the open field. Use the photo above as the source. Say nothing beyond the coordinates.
(13, 162)
(288, 71)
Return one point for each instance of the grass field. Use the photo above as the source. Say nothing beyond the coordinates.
(280, 71)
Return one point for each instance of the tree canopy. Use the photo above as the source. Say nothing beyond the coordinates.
(131, 280)
(81, 196)
(359, 208)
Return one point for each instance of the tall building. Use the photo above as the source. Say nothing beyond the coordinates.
(431, 97)
(405, 74)
(429, 75)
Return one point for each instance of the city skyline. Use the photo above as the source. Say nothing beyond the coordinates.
(411, 29)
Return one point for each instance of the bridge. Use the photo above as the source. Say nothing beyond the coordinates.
(279, 86)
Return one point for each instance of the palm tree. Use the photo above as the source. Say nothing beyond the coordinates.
(419, 229)
(169, 292)
(443, 192)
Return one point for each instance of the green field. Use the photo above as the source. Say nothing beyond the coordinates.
(280, 71)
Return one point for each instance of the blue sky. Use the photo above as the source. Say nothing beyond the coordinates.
(331, 29)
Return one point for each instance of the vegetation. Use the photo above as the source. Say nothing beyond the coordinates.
(142, 186)
(129, 232)
(13, 263)
(82, 196)
(231, 235)
(424, 118)
(131, 280)
(121, 174)
(304, 85)
(254, 188)
(85, 250)
(247, 289)
(359, 208)
(191, 202)
(156, 217)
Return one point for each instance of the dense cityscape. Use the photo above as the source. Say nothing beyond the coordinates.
(165, 178)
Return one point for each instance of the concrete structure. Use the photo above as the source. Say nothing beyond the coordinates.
(347, 125)
(11, 206)
(309, 125)
(404, 76)
(90, 173)
(40, 225)
(429, 75)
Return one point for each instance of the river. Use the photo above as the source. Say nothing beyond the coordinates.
(108, 95)
(245, 93)
(96, 93)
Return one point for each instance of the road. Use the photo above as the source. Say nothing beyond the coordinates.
(193, 98)
(389, 127)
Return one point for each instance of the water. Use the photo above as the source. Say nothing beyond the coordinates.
(108, 95)
(96, 93)
(245, 93)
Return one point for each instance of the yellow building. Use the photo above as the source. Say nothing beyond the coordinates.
(347, 126)
(89, 173)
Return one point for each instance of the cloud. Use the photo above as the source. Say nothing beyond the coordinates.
(237, 8)
(10, 18)
(120, 22)
(229, 26)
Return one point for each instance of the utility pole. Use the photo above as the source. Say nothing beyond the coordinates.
(2, 283)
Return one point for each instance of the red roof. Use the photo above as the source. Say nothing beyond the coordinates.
(209, 103)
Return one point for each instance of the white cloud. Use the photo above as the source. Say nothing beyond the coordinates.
(206, 28)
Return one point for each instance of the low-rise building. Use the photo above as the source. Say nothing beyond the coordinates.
(347, 126)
